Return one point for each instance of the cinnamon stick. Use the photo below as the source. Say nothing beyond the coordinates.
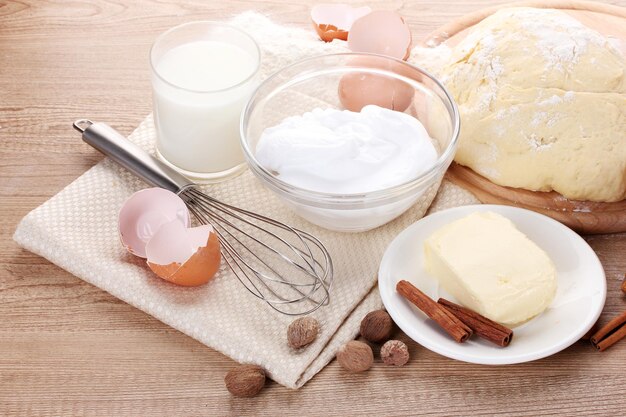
(459, 331)
(610, 333)
(481, 325)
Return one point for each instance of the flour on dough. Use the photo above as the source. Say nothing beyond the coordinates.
(543, 103)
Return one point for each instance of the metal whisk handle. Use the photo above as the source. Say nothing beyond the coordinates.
(114, 145)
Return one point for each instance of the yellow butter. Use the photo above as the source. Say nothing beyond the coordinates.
(491, 267)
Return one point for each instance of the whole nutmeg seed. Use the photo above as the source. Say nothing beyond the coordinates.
(377, 326)
(395, 353)
(302, 332)
(245, 380)
(355, 356)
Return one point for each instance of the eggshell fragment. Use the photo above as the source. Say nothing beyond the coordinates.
(184, 256)
(143, 214)
(359, 89)
(333, 21)
(381, 32)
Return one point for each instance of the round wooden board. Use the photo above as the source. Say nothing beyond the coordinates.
(582, 216)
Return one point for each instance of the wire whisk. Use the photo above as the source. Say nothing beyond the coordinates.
(289, 269)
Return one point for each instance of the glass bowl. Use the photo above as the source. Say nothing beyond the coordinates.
(313, 83)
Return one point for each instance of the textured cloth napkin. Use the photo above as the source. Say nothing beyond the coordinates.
(77, 230)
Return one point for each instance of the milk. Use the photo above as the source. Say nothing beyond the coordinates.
(200, 89)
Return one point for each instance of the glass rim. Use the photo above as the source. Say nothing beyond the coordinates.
(209, 23)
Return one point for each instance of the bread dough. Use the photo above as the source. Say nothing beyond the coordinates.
(543, 104)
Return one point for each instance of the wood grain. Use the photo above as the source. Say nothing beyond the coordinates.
(582, 216)
(68, 348)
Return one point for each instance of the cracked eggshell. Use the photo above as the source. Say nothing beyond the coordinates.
(333, 21)
(381, 32)
(143, 214)
(184, 256)
(359, 89)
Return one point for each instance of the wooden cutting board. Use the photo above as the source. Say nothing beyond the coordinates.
(582, 216)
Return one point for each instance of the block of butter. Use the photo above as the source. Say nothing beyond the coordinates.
(491, 267)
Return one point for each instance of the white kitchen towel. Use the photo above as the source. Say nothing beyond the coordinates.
(77, 230)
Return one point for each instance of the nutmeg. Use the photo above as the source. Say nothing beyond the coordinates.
(395, 353)
(355, 356)
(624, 284)
(302, 332)
(245, 380)
(377, 326)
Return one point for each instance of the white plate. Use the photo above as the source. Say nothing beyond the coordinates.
(576, 307)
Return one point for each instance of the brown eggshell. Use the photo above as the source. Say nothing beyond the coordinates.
(144, 212)
(381, 32)
(184, 256)
(359, 89)
(198, 270)
(328, 32)
(333, 21)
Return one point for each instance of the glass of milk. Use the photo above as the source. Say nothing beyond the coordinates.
(202, 76)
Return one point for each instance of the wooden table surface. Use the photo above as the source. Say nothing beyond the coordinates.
(68, 348)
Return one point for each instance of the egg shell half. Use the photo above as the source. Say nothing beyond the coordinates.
(381, 32)
(333, 21)
(184, 256)
(143, 214)
(359, 89)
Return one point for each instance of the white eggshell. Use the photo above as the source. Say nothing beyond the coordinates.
(333, 21)
(144, 213)
(381, 32)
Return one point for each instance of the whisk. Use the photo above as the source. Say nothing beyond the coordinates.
(288, 268)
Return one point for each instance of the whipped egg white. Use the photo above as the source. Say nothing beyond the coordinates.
(346, 152)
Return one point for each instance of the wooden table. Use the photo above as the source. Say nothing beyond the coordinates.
(68, 348)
